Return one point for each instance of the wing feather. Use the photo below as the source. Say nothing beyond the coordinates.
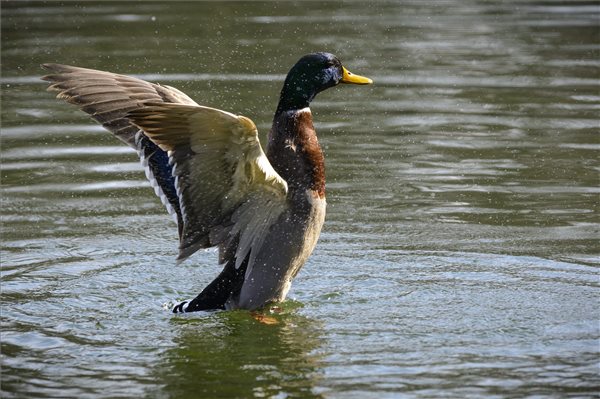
(108, 97)
(230, 195)
(216, 181)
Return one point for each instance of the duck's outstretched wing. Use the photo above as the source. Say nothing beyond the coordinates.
(107, 98)
(230, 195)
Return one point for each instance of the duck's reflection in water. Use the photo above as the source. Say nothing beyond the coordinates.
(235, 355)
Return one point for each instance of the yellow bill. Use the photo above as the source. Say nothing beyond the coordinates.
(349, 77)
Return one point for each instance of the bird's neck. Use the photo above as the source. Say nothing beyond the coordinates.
(296, 94)
(295, 153)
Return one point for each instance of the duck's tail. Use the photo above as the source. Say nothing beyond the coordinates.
(214, 297)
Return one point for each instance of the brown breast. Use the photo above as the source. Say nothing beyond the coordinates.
(295, 153)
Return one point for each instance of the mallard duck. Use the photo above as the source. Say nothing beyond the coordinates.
(264, 212)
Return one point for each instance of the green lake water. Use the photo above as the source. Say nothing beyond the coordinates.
(460, 255)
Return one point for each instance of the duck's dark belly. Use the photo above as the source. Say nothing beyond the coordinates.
(287, 247)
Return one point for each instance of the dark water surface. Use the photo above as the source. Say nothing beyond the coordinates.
(460, 253)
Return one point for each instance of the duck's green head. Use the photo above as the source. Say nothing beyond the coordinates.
(312, 74)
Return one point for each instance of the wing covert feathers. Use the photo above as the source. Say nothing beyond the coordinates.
(228, 191)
